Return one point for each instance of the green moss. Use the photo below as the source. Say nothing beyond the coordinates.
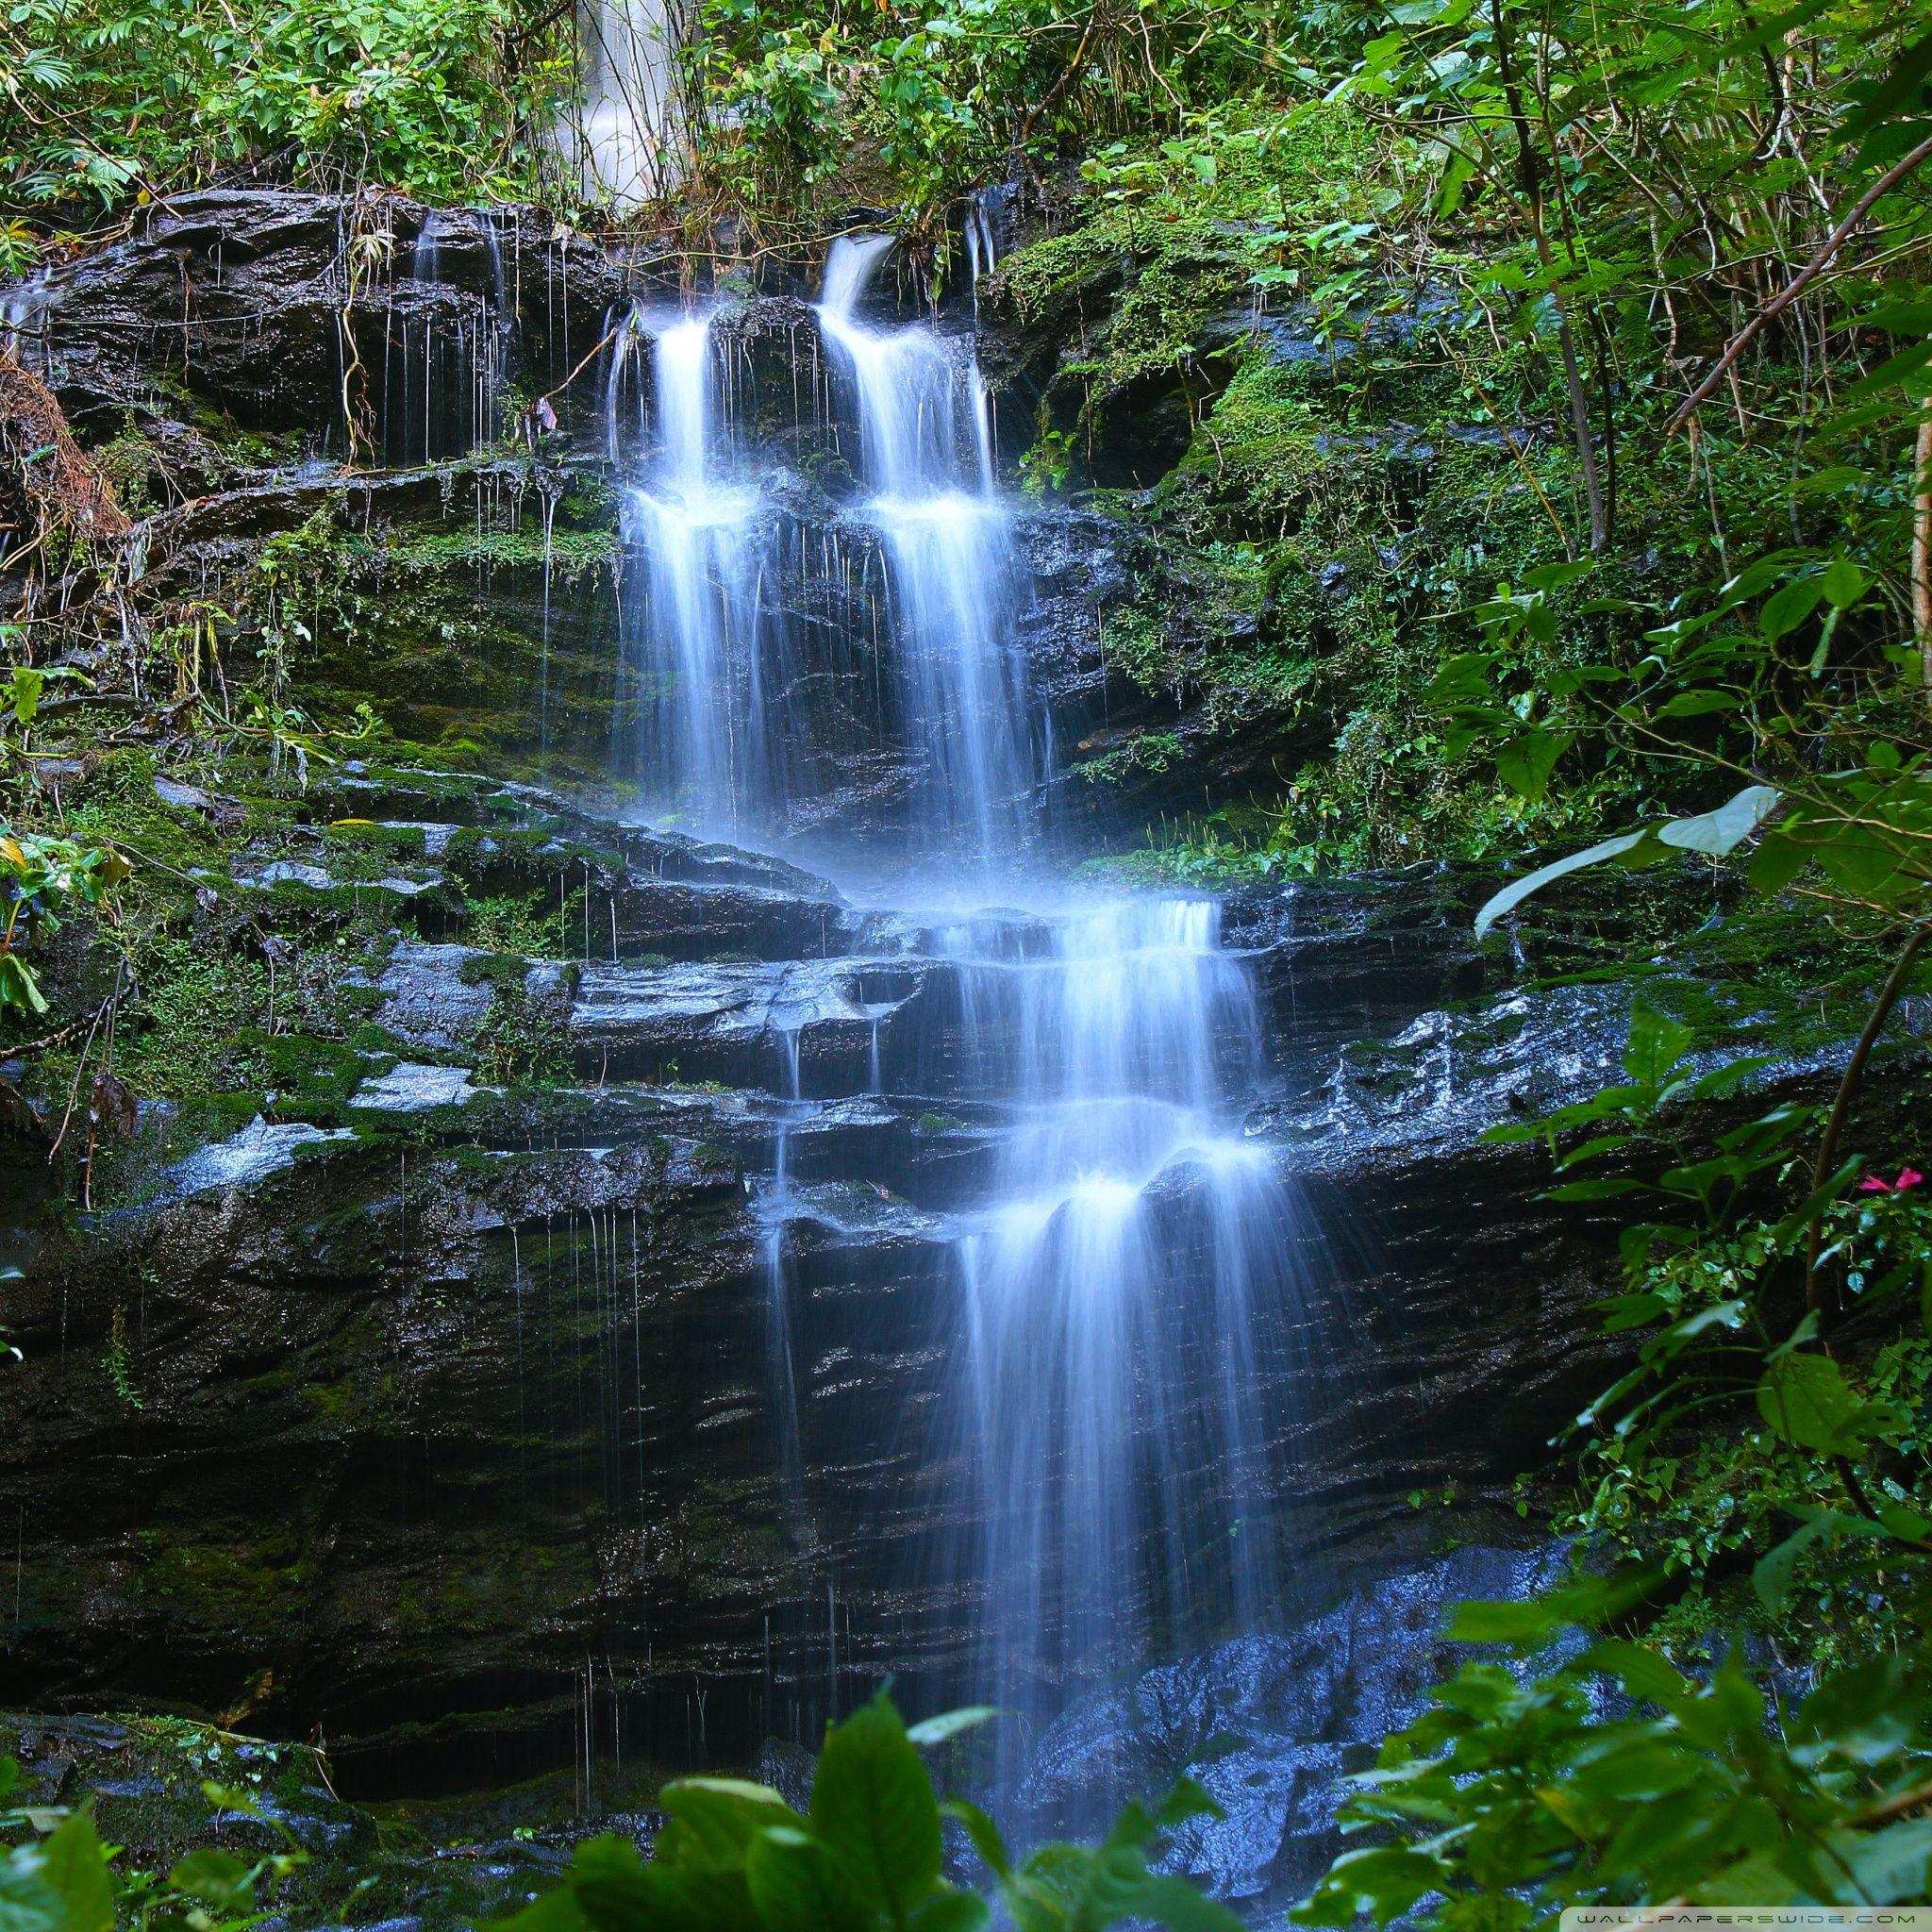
(235, 1586)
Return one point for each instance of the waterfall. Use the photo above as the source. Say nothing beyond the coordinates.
(955, 582)
(446, 353)
(700, 617)
(623, 139)
(1106, 1357)
(1113, 1494)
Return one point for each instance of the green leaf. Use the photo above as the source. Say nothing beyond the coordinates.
(1845, 582)
(552, 1911)
(1186, 1798)
(951, 1911)
(1894, 92)
(1513, 894)
(1865, 1715)
(1698, 704)
(1806, 1400)
(25, 694)
(1656, 1044)
(27, 1903)
(1607, 1188)
(1463, 681)
(1155, 1899)
(1641, 1671)
(1892, 1866)
(1776, 862)
(1785, 609)
(986, 1836)
(1524, 763)
(714, 1818)
(76, 1866)
(798, 1886)
(873, 1807)
(949, 1723)
(1532, 1622)
(20, 985)
(1771, 1577)
(1716, 832)
(608, 1884)
(216, 1878)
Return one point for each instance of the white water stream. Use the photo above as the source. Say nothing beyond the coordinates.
(1101, 1384)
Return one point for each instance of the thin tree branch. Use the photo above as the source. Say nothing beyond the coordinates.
(1799, 283)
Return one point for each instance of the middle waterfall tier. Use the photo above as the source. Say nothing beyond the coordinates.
(824, 637)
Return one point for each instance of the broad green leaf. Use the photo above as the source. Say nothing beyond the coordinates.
(1656, 1043)
(28, 1902)
(1786, 609)
(1641, 1671)
(76, 1866)
(1524, 763)
(1776, 862)
(1605, 1187)
(1514, 894)
(1716, 832)
(797, 1885)
(1892, 1866)
(1805, 1399)
(874, 1810)
(20, 985)
(950, 1724)
(551, 1911)
(1699, 704)
(713, 1819)
(1866, 1714)
(1152, 1898)
(1186, 1798)
(1534, 1622)
(24, 696)
(951, 1911)
(217, 1878)
(1845, 582)
(1771, 1577)
(608, 1883)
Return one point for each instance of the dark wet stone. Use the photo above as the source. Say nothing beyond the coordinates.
(1271, 1724)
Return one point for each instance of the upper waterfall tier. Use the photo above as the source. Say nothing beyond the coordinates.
(780, 640)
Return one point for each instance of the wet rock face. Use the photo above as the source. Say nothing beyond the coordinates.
(384, 1416)
(449, 1417)
(242, 331)
(1272, 1724)
(271, 306)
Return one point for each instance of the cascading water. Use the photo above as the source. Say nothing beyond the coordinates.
(1106, 1294)
(1105, 1360)
(926, 456)
(701, 612)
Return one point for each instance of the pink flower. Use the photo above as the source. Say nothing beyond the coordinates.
(1908, 1177)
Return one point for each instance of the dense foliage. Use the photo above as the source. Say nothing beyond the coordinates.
(735, 1858)
(113, 102)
